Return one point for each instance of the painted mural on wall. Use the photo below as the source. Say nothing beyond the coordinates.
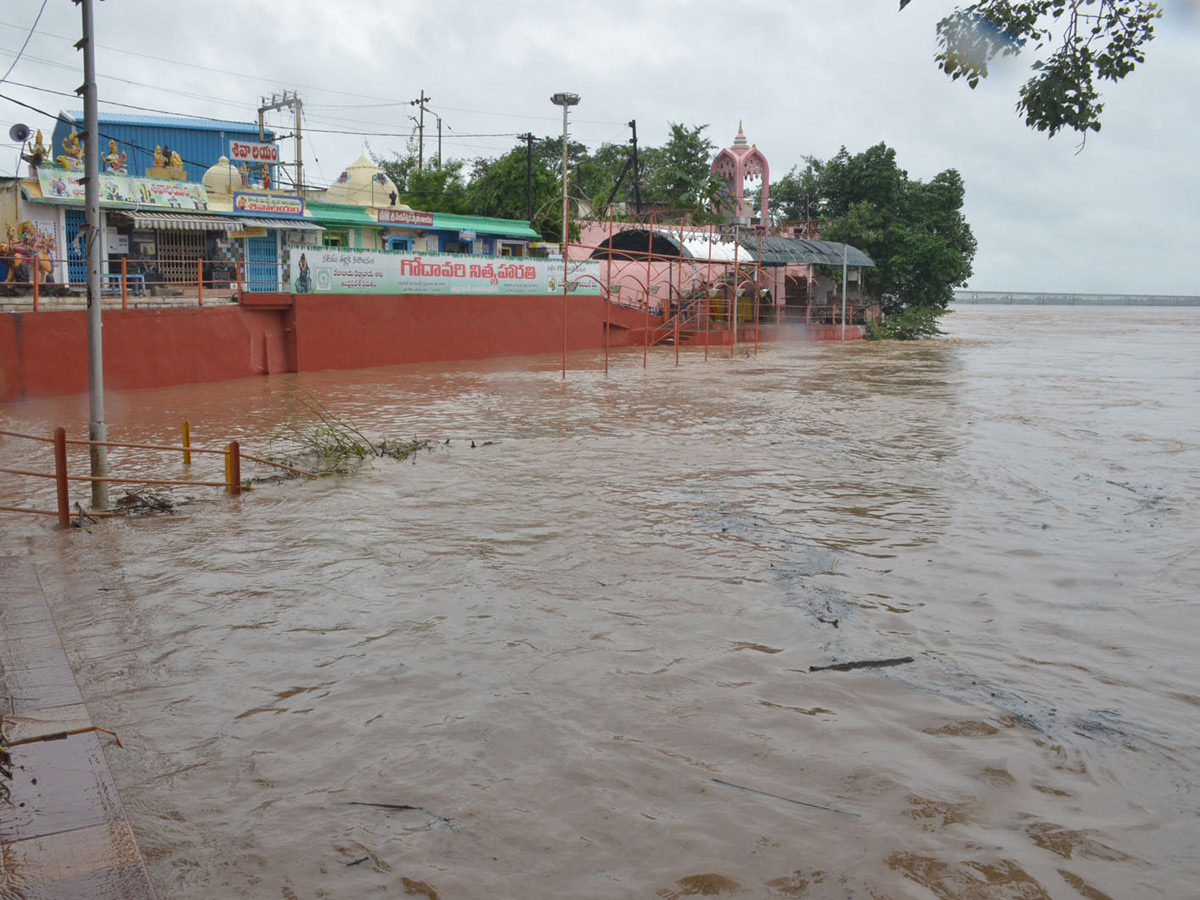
(339, 270)
(67, 184)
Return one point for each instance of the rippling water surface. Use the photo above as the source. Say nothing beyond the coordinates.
(573, 660)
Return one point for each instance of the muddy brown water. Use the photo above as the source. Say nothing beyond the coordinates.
(573, 660)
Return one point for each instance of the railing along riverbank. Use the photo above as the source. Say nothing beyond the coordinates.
(182, 281)
(231, 483)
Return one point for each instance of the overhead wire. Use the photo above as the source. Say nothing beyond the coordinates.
(25, 44)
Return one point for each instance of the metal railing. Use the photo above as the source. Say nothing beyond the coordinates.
(231, 483)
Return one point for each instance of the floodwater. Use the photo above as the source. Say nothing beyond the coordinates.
(573, 658)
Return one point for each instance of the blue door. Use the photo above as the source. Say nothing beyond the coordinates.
(261, 263)
(399, 243)
(76, 247)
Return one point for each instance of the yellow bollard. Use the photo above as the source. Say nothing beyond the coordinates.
(187, 442)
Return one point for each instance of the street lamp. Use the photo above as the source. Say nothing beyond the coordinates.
(566, 100)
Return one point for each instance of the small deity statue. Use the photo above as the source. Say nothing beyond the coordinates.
(73, 152)
(115, 160)
(176, 160)
(266, 179)
(159, 159)
(245, 173)
(36, 153)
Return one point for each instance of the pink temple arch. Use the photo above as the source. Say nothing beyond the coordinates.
(739, 164)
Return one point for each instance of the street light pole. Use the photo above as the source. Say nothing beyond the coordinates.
(566, 100)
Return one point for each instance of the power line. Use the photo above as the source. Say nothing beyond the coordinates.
(21, 52)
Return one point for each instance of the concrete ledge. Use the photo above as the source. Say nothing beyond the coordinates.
(63, 833)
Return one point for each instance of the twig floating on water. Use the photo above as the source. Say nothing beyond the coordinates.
(742, 787)
(863, 664)
(357, 861)
(385, 805)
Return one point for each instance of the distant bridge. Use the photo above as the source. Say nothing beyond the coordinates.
(1018, 298)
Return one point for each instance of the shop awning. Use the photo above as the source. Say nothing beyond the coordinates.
(514, 228)
(341, 214)
(281, 224)
(182, 221)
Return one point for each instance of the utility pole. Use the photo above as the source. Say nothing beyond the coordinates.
(288, 101)
(527, 137)
(637, 176)
(97, 431)
(420, 102)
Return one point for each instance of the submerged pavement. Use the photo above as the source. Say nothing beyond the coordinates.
(63, 833)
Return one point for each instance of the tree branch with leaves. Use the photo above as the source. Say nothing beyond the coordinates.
(1079, 44)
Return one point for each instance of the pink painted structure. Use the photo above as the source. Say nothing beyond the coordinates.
(739, 164)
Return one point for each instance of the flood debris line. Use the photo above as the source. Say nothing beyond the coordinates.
(863, 664)
(329, 444)
(142, 501)
(805, 803)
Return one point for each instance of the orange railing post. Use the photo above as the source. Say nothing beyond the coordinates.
(235, 468)
(237, 271)
(60, 477)
(124, 286)
(187, 442)
(35, 288)
(200, 281)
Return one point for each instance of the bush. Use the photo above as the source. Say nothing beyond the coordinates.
(909, 324)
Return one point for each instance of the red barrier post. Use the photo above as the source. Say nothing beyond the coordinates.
(235, 469)
(200, 281)
(35, 287)
(124, 286)
(60, 477)
(237, 266)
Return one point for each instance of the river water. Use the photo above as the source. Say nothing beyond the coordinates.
(568, 653)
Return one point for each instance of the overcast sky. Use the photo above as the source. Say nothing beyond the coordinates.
(804, 77)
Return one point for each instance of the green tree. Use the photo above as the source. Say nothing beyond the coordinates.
(437, 187)
(914, 231)
(1078, 44)
(498, 188)
(678, 174)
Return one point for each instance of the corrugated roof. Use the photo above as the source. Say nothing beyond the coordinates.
(75, 117)
(484, 225)
(778, 251)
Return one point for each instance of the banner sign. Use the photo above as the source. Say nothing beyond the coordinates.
(243, 151)
(263, 202)
(67, 184)
(339, 270)
(405, 217)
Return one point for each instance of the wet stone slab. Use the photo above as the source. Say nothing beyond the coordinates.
(63, 833)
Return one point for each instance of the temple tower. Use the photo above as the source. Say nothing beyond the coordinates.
(736, 166)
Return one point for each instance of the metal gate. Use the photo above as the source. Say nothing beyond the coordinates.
(177, 254)
(76, 246)
(262, 260)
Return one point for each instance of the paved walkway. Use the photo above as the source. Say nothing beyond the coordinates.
(63, 833)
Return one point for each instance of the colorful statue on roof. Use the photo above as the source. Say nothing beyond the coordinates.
(36, 153)
(73, 152)
(176, 160)
(160, 159)
(115, 161)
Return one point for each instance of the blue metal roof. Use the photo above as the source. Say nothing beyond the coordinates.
(75, 117)
(200, 142)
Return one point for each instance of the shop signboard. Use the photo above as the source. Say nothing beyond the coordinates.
(247, 152)
(405, 217)
(67, 184)
(339, 270)
(264, 202)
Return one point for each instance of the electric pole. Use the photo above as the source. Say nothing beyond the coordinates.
(97, 431)
(637, 178)
(527, 137)
(293, 102)
(420, 103)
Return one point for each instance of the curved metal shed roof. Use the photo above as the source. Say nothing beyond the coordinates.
(779, 251)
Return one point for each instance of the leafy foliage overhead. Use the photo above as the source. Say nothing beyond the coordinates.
(1078, 43)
